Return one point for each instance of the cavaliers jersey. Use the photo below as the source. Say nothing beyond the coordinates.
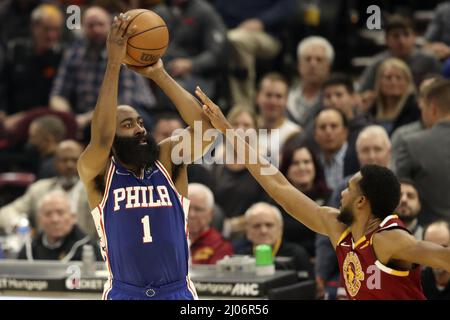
(365, 277)
(141, 222)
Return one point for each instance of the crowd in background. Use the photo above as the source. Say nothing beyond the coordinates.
(340, 95)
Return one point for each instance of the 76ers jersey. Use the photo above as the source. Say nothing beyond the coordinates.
(365, 277)
(141, 222)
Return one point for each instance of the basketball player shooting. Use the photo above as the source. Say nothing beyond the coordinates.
(137, 196)
(383, 261)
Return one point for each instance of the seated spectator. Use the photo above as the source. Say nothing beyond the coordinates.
(436, 282)
(334, 154)
(271, 101)
(31, 64)
(255, 28)
(197, 47)
(15, 18)
(78, 81)
(338, 93)
(437, 34)
(399, 135)
(372, 147)
(396, 103)
(303, 170)
(264, 225)
(425, 157)
(315, 58)
(409, 208)
(66, 157)
(400, 38)
(164, 126)
(234, 188)
(44, 135)
(207, 244)
(60, 238)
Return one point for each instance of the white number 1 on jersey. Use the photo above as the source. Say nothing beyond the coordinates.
(147, 235)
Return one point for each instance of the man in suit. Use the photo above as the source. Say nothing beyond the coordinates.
(425, 157)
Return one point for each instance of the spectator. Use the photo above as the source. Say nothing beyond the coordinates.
(271, 100)
(396, 103)
(31, 64)
(78, 81)
(315, 58)
(399, 135)
(60, 238)
(15, 18)
(338, 93)
(304, 171)
(234, 187)
(165, 125)
(264, 225)
(409, 208)
(197, 48)
(373, 147)
(400, 40)
(425, 157)
(207, 244)
(66, 156)
(255, 32)
(437, 34)
(436, 282)
(337, 159)
(44, 135)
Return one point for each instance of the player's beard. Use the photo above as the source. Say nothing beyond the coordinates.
(130, 151)
(346, 217)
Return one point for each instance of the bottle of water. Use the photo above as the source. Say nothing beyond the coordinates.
(88, 258)
(23, 232)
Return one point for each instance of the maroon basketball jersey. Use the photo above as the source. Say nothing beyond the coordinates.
(364, 277)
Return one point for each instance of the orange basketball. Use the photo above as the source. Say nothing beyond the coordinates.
(150, 40)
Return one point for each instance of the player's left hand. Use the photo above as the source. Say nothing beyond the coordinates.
(151, 71)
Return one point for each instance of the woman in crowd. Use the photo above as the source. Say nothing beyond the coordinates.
(396, 102)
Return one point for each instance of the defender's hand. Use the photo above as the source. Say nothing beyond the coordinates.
(213, 112)
(118, 37)
(152, 71)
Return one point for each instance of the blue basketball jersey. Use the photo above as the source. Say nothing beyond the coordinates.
(142, 223)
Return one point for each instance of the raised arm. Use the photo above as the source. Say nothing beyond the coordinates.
(188, 107)
(186, 104)
(94, 159)
(319, 219)
(399, 245)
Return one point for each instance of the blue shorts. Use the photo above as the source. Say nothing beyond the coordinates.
(173, 291)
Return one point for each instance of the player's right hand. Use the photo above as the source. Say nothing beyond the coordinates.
(118, 38)
(152, 71)
(213, 112)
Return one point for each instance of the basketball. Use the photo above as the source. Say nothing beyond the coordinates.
(150, 40)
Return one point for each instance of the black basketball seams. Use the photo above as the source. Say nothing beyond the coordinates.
(134, 35)
(146, 48)
(129, 23)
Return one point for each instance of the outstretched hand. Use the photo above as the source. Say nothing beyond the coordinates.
(151, 71)
(118, 38)
(213, 112)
